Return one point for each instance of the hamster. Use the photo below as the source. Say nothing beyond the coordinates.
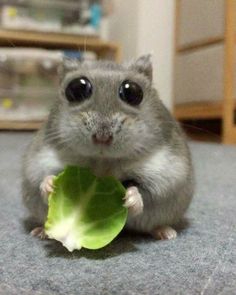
(109, 117)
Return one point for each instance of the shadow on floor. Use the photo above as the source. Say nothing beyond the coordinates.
(125, 242)
(122, 244)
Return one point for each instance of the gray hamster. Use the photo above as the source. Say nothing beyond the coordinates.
(109, 117)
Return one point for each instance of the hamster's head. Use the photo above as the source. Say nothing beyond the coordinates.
(109, 110)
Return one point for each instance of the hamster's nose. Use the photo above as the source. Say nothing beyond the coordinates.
(105, 139)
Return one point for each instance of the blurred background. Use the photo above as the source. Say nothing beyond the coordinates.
(192, 42)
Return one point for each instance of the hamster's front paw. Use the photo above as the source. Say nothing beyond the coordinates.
(133, 201)
(46, 186)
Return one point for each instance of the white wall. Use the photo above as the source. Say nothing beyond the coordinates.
(144, 26)
(124, 25)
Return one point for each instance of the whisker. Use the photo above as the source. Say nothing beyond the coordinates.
(204, 131)
(85, 44)
(64, 145)
(55, 135)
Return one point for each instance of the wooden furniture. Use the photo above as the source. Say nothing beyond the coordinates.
(229, 120)
(205, 56)
(15, 38)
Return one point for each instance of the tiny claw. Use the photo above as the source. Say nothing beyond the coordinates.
(47, 187)
(164, 233)
(39, 232)
(133, 201)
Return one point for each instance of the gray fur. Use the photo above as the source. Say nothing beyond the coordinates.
(148, 146)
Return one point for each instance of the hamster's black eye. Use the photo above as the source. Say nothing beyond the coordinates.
(131, 92)
(78, 89)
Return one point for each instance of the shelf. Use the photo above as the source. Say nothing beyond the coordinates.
(20, 125)
(203, 136)
(199, 110)
(57, 40)
(225, 108)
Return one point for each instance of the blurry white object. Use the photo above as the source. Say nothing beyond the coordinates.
(79, 30)
(12, 18)
(30, 53)
(46, 20)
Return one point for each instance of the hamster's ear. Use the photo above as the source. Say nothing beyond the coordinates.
(144, 65)
(68, 65)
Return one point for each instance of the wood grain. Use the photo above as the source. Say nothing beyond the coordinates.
(53, 40)
(229, 128)
(200, 110)
(20, 125)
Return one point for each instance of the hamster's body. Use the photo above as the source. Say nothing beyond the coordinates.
(108, 130)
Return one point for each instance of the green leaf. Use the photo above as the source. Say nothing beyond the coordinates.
(85, 211)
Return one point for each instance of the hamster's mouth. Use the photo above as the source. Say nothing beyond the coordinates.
(103, 151)
(102, 143)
